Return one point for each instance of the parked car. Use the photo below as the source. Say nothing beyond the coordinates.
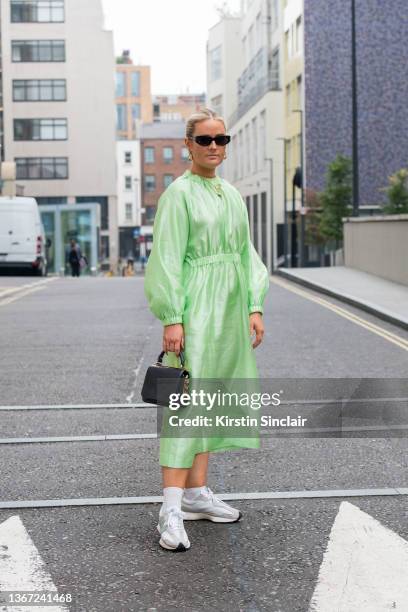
(22, 237)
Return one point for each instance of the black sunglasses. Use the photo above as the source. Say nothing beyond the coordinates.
(220, 140)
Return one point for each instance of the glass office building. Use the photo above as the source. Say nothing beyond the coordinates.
(62, 222)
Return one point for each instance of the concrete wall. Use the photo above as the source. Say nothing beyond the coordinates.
(378, 245)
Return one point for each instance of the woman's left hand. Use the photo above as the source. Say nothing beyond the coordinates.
(256, 325)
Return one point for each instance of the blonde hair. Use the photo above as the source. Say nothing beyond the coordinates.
(201, 115)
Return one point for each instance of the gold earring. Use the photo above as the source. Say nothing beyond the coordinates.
(190, 156)
(225, 156)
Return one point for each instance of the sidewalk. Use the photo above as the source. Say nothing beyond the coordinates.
(383, 298)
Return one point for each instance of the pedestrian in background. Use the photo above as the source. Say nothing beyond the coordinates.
(206, 283)
(74, 258)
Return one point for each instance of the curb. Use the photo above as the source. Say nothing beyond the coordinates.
(344, 297)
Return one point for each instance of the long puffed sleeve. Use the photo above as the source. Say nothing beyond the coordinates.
(256, 272)
(163, 284)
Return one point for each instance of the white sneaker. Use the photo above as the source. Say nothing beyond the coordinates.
(208, 506)
(171, 529)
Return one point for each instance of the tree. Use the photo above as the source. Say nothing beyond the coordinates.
(397, 193)
(336, 199)
(313, 235)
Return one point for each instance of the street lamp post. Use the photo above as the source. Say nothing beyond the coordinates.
(302, 217)
(285, 224)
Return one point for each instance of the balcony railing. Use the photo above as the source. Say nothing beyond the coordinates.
(260, 76)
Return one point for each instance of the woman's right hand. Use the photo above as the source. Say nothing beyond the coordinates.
(173, 338)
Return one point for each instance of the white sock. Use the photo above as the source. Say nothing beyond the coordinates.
(193, 492)
(172, 496)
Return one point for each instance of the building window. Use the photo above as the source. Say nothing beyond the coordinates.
(168, 155)
(248, 151)
(128, 182)
(38, 51)
(104, 253)
(287, 99)
(149, 182)
(299, 92)
(240, 154)
(129, 211)
(235, 156)
(215, 63)
(39, 90)
(255, 144)
(121, 117)
(251, 46)
(287, 45)
(104, 204)
(275, 15)
(40, 129)
(135, 90)
(298, 35)
(120, 84)
(149, 214)
(258, 29)
(216, 104)
(255, 208)
(262, 138)
(184, 153)
(31, 11)
(44, 168)
(128, 157)
(51, 200)
(167, 179)
(149, 155)
(135, 111)
(274, 70)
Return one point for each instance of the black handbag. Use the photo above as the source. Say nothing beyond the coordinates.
(162, 380)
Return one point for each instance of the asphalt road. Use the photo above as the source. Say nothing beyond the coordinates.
(88, 341)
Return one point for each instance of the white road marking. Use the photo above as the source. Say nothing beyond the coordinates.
(145, 405)
(365, 566)
(139, 364)
(77, 406)
(154, 499)
(21, 566)
(20, 294)
(96, 438)
(264, 433)
(7, 290)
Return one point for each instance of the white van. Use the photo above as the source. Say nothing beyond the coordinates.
(22, 237)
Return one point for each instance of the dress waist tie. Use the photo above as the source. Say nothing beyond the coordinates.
(223, 257)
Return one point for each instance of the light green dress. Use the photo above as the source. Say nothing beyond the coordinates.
(204, 272)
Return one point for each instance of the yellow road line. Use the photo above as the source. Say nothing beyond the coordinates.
(376, 329)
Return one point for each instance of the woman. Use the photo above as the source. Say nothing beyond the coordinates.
(206, 283)
(74, 258)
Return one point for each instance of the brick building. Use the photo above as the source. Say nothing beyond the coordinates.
(164, 157)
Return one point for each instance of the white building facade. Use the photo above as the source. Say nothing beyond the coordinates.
(255, 163)
(59, 106)
(129, 183)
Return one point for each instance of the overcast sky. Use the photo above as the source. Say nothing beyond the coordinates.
(170, 36)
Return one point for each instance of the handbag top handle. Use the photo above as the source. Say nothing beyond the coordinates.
(182, 360)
